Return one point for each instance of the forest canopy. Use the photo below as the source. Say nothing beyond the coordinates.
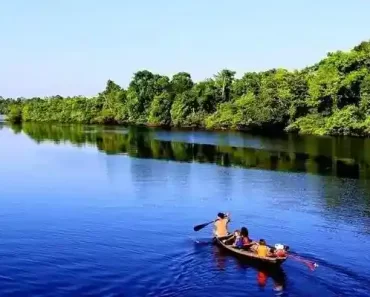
(331, 97)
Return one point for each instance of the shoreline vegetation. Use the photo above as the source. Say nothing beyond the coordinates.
(331, 97)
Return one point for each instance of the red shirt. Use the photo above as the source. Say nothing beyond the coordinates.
(246, 241)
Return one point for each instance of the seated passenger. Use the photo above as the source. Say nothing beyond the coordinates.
(247, 242)
(238, 240)
(235, 239)
(279, 250)
(245, 235)
(262, 249)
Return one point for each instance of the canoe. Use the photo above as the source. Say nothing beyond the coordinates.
(248, 255)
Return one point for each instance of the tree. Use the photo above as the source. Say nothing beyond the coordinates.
(323, 89)
(183, 107)
(15, 114)
(223, 82)
(140, 93)
(206, 94)
(250, 82)
(160, 110)
(330, 97)
(181, 82)
(113, 100)
(142, 90)
(365, 95)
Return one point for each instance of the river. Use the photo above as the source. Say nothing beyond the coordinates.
(109, 211)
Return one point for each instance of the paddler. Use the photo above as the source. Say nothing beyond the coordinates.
(220, 225)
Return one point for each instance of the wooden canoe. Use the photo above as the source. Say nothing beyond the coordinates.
(248, 255)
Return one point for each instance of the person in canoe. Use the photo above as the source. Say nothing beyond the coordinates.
(263, 250)
(237, 239)
(278, 251)
(221, 225)
(247, 241)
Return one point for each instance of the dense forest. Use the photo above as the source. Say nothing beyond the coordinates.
(331, 97)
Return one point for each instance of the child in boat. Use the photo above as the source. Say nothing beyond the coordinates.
(279, 250)
(235, 239)
(247, 242)
(245, 235)
(262, 249)
(238, 242)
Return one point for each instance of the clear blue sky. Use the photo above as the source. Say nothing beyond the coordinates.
(72, 47)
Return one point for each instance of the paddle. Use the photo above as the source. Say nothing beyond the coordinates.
(200, 227)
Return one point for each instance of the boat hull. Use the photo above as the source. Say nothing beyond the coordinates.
(247, 255)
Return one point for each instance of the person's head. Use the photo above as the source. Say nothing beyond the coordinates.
(279, 246)
(280, 250)
(237, 232)
(244, 232)
(221, 215)
(262, 242)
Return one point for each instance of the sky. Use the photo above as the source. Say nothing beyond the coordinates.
(72, 47)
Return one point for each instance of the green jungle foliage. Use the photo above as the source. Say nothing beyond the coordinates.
(331, 97)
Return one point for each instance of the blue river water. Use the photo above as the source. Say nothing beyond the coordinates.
(94, 211)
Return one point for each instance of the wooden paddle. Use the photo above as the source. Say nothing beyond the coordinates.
(200, 227)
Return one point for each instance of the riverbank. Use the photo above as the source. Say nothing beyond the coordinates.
(362, 130)
(331, 97)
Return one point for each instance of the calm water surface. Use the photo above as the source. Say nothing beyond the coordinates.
(94, 211)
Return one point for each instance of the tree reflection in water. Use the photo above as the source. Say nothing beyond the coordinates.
(312, 155)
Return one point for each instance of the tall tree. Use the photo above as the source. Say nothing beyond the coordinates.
(223, 81)
(181, 82)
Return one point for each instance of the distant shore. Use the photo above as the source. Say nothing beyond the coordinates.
(331, 97)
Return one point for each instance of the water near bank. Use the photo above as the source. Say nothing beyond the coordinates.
(109, 211)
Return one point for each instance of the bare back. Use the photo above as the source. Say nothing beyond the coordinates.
(221, 227)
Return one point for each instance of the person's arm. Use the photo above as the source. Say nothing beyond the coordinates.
(228, 217)
(214, 229)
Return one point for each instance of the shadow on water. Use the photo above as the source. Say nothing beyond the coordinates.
(321, 156)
